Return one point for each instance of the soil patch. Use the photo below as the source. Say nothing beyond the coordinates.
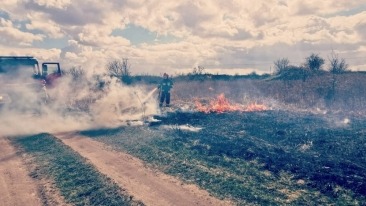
(16, 187)
(151, 187)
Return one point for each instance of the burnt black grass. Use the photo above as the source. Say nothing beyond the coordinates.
(78, 181)
(265, 158)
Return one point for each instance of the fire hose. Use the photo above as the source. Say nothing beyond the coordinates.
(144, 101)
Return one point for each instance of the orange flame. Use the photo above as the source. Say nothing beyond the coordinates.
(221, 105)
(254, 107)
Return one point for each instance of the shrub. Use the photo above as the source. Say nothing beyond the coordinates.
(336, 65)
(314, 62)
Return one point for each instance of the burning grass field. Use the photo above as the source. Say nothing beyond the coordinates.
(250, 142)
(259, 158)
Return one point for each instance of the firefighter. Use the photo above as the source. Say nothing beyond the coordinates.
(164, 90)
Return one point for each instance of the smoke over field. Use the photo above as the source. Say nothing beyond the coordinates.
(74, 104)
(81, 101)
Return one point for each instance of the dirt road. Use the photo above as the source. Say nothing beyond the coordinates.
(150, 187)
(16, 187)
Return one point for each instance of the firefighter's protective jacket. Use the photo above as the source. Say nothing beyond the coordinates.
(165, 85)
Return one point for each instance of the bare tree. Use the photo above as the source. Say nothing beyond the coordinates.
(120, 69)
(314, 62)
(114, 68)
(126, 75)
(281, 65)
(198, 70)
(337, 66)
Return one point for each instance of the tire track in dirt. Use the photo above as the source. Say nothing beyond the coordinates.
(150, 187)
(16, 187)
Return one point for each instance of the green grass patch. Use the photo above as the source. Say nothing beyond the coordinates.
(78, 181)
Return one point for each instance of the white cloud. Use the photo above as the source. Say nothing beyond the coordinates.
(11, 35)
(54, 3)
(99, 36)
(230, 34)
(40, 54)
(40, 22)
(325, 7)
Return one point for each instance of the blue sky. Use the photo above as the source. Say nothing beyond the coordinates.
(139, 35)
(232, 37)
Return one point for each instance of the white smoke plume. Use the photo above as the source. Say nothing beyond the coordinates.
(73, 104)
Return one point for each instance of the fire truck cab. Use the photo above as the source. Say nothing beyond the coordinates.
(21, 74)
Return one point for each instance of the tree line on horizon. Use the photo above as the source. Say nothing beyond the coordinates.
(283, 69)
(313, 63)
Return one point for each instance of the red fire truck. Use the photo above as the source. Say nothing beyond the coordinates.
(23, 82)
